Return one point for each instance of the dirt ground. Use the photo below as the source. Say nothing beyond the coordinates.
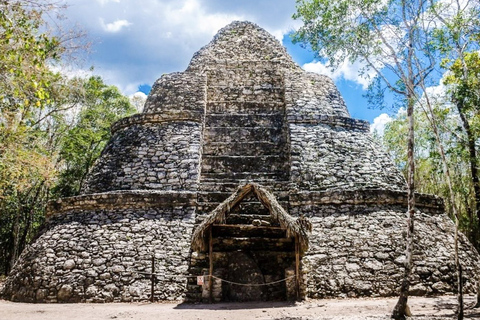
(333, 309)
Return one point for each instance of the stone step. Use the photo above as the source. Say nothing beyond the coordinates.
(246, 148)
(223, 183)
(243, 94)
(248, 74)
(244, 134)
(207, 196)
(268, 179)
(246, 107)
(242, 164)
(242, 208)
(276, 120)
(236, 80)
(257, 66)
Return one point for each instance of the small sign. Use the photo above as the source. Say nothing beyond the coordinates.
(200, 280)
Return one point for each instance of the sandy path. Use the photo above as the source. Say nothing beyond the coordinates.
(423, 308)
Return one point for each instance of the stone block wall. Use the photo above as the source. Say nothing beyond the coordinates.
(309, 94)
(245, 136)
(177, 91)
(240, 41)
(160, 156)
(97, 254)
(242, 112)
(359, 251)
(332, 157)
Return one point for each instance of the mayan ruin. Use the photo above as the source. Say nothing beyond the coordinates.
(242, 169)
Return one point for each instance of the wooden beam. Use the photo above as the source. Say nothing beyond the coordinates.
(246, 230)
(254, 244)
(210, 268)
(297, 266)
(153, 279)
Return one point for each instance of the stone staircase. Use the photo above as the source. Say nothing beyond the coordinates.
(245, 136)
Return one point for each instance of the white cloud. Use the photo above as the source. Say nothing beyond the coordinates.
(71, 71)
(279, 33)
(163, 35)
(114, 26)
(345, 70)
(138, 100)
(104, 2)
(379, 124)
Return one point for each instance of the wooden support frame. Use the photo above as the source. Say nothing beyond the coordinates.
(153, 279)
(210, 267)
(297, 266)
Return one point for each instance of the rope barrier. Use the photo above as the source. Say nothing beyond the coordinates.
(253, 284)
(227, 281)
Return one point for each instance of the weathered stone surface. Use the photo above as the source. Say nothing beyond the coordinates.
(243, 111)
(120, 243)
(363, 247)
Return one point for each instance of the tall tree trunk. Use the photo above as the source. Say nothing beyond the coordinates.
(15, 236)
(446, 171)
(401, 309)
(472, 153)
(472, 157)
(29, 217)
(471, 149)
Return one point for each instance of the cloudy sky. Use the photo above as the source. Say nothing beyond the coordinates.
(135, 42)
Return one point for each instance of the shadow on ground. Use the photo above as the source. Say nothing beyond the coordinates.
(235, 305)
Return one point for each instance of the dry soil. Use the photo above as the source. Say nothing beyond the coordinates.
(334, 309)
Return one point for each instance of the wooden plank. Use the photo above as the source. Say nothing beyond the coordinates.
(153, 279)
(297, 266)
(210, 268)
(248, 218)
(245, 230)
(254, 244)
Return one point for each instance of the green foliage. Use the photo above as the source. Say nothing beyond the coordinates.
(341, 29)
(27, 165)
(81, 146)
(51, 129)
(402, 41)
(464, 83)
(430, 177)
(387, 37)
(24, 71)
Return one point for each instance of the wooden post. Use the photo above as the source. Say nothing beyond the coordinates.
(297, 266)
(210, 270)
(152, 278)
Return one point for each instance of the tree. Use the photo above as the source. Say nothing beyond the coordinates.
(26, 86)
(100, 106)
(394, 40)
(41, 135)
(457, 34)
(464, 84)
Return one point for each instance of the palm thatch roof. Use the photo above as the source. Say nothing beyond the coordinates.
(295, 227)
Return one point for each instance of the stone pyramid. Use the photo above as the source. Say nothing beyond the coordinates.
(242, 112)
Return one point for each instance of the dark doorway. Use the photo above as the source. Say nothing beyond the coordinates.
(253, 261)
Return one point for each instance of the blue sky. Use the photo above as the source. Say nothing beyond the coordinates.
(135, 42)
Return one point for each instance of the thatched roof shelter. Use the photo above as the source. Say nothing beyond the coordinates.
(298, 228)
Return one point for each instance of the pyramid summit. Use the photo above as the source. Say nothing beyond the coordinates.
(242, 169)
(241, 41)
